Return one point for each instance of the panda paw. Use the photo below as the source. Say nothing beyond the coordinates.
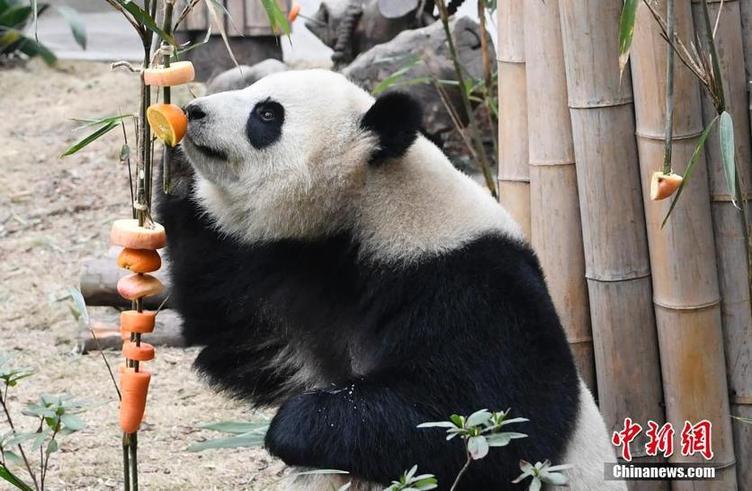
(291, 431)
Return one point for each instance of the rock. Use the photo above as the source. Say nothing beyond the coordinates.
(426, 53)
(212, 58)
(242, 76)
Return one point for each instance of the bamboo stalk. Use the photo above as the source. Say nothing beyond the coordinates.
(733, 271)
(556, 232)
(513, 170)
(682, 254)
(613, 226)
(746, 18)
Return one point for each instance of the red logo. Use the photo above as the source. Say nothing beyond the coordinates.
(624, 437)
(695, 439)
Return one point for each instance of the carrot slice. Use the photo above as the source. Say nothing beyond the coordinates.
(135, 321)
(127, 233)
(139, 260)
(134, 387)
(135, 286)
(168, 122)
(141, 352)
(177, 73)
(293, 13)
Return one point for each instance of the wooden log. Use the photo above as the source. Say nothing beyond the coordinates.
(731, 253)
(556, 232)
(682, 255)
(613, 224)
(99, 277)
(105, 325)
(513, 171)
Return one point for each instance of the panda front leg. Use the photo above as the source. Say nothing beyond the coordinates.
(366, 427)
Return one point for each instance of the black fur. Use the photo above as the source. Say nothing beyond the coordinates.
(264, 125)
(396, 118)
(393, 346)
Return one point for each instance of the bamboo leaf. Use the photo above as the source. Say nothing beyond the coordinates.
(32, 48)
(626, 31)
(237, 427)
(690, 166)
(102, 130)
(14, 480)
(16, 16)
(254, 438)
(726, 134)
(221, 27)
(277, 18)
(76, 23)
(144, 18)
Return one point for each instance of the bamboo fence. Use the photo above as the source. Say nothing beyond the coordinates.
(513, 173)
(731, 253)
(613, 224)
(685, 278)
(556, 232)
(669, 307)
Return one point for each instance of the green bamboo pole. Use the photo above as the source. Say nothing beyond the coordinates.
(682, 254)
(733, 273)
(613, 223)
(513, 171)
(556, 231)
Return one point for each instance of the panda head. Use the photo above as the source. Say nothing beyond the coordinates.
(287, 156)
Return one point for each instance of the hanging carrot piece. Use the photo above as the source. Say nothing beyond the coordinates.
(139, 322)
(140, 352)
(134, 387)
(127, 233)
(139, 260)
(136, 286)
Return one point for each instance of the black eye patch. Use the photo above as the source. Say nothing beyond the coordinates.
(264, 125)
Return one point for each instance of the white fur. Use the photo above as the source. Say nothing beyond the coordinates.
(323, 482)
(316, 179)
(589, 449)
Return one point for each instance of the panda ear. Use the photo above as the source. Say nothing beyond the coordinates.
(395, 118)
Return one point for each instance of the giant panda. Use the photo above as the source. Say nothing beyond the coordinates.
(332, 261)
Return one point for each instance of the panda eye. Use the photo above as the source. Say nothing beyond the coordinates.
(266, 114)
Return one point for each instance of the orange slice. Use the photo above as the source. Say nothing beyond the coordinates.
(168, 122)
(139, 260)
(177, 73)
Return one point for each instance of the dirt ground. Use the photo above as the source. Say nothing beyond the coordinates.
(53, 213)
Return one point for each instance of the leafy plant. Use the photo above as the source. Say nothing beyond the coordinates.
(57, 416)
(480, 431)
(15, 16)
(243, 435)
(542, 473)
(410, 482)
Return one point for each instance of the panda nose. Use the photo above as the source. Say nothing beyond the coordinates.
(194, 112)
